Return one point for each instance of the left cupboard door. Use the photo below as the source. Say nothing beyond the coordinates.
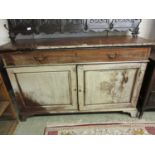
(45, 89)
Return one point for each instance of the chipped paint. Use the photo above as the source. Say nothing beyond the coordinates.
(111, 86)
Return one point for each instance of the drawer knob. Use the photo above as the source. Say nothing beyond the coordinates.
(39, 58)
(112, 56)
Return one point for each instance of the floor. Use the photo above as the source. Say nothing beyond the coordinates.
(35, 125)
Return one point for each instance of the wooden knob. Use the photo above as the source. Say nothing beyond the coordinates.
(112, 56)
(39, 58)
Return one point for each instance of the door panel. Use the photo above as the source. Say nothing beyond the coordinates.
(46, 86)
(109, 85)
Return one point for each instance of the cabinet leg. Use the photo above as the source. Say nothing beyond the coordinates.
(22, 117)
(134, 114)
(140, 114)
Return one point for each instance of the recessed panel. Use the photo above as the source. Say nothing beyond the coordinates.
(45, 88)
(109, 86)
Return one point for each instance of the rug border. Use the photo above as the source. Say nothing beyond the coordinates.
(85, 124)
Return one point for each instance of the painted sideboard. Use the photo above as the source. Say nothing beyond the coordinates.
(76, 75)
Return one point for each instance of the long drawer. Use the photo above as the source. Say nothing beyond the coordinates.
(75, 56)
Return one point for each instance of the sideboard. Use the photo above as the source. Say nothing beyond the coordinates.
(76, 75)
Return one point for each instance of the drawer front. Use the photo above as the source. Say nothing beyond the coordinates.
(76, 56)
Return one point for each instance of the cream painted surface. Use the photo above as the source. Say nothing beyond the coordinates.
(53, 86)
(101, 87)
(109, 85)
(46, 88)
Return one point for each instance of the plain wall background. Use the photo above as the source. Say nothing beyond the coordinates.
(147, 30)
(4, 37)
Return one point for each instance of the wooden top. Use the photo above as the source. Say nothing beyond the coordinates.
(76, 43)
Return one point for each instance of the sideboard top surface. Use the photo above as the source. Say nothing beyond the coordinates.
(87, 42)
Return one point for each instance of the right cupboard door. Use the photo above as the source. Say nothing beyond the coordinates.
(109, 86)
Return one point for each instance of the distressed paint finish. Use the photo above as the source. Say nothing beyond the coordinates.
(43, 87)
(109, 85)
(46, 86)
(101, 87)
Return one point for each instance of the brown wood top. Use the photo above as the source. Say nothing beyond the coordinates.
(76, 43)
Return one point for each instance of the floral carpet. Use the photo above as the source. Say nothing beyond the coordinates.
(102, 129)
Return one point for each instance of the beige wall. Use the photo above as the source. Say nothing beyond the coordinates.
(147, 30)
(4, 37)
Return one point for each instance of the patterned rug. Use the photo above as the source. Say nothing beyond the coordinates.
(102, 129)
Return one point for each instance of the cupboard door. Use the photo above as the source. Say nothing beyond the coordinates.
(109, 86)
(45, 88)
